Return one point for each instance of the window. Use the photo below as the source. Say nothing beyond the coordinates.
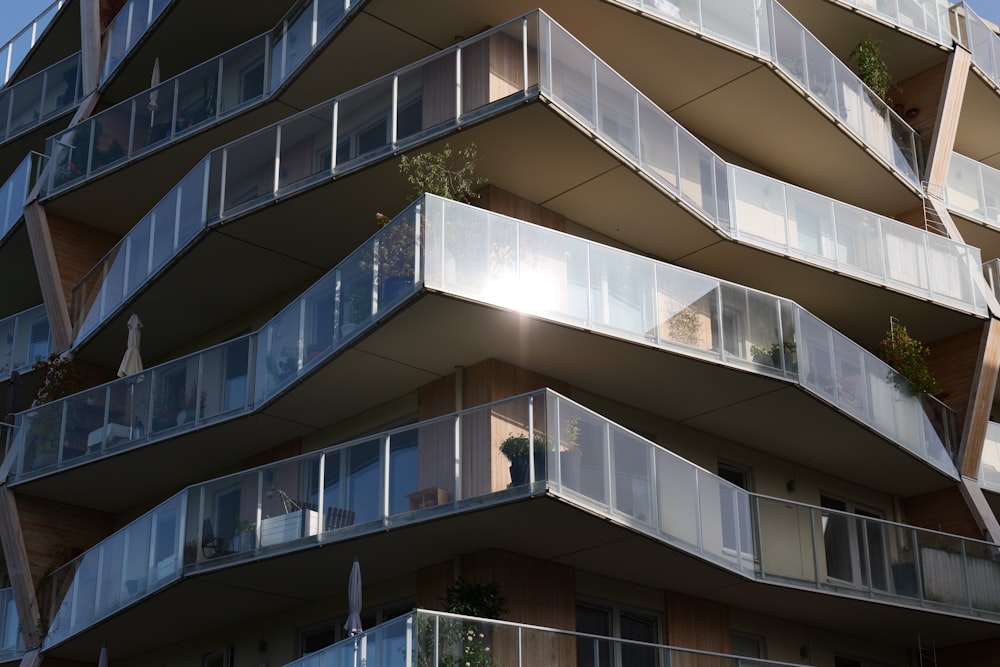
(735, 509)
(746, 645)
(252, 81)
(855, 548)
(613, 621)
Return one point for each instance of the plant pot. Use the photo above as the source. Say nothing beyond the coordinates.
(569, 466)
(519, 468)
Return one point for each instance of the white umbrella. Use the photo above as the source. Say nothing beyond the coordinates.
(353, 625)
(103, 661)
(132, 362)
(154, 96)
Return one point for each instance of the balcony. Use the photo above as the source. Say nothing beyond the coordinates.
(13, 53)
(981, 101)
(455, 277)
(24, 339)
(34, 102)
(435, 638)
(17, 265)
(973, 193)
(292, 159)
(929, 19)
(126, 29)
(229, 85)
(11, 642)
(600, 482)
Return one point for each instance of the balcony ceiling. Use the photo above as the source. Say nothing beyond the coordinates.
(542, 527)
(209, 28)
(724, 96)
(61, 39)
(17, 267)
(977, 136)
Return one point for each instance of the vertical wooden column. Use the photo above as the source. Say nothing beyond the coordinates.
(946, 124)
(977, 416)
(90, 44)
(48, 275)
(16, 556)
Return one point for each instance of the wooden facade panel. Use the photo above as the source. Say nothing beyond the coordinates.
(505, 203)
(977, 411)
(78, 248)
(698, 624)
(953, 361)
(923, 93)
(946, 112)
(944, 510)
(55, 533)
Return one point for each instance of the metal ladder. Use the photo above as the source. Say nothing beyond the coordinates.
(926, 652)
(932, 221)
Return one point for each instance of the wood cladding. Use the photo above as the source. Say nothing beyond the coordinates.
(505, 203)
(537, 592)
(16, 558)
(698, 624)
(953, 362)
(923, 92)
(975, 411)
(78, 248)
(946, 112)
(944, 510)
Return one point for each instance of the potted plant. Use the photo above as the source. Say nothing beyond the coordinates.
(60, 377)
(462, 642)
(908, 357)
(871, 67)
(516, 449)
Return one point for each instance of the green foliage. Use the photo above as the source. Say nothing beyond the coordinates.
(909, 357)
(60, 378)
(447, 173)
(483, 599)
(517, 445)
(685, 326)
(871, 67)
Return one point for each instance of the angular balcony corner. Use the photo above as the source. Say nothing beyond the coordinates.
(14, 52)
(424, 637)
(973, 194)
(11, 641)
(34, 102)
(483, 270)
(981, 100)
(605, 483)
(237, 83)
(766, 31)
(293, 158)
(929, 19)
(128, 26)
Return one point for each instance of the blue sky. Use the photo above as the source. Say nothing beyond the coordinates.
(15, 14)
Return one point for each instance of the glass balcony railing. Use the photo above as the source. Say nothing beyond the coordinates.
(454, 248)
(11, 642)
(368, 124)
(850, 240)
(975, 35)
(24, 339)
(989, 465)
(366, 485)
(126, 29)
(13, 53)
(14, 191)
(768, 30)
(973, 190)
(189, 102)
(435, 638)
(40, 97)
(925, 17)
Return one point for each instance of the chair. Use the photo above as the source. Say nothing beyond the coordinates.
(338, 517)
(212, 546)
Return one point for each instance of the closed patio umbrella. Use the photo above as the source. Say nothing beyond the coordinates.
(103, 660)
(132, 362)
(353, 625)
(154, 96)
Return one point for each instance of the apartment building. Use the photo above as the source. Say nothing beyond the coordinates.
(634, 382)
